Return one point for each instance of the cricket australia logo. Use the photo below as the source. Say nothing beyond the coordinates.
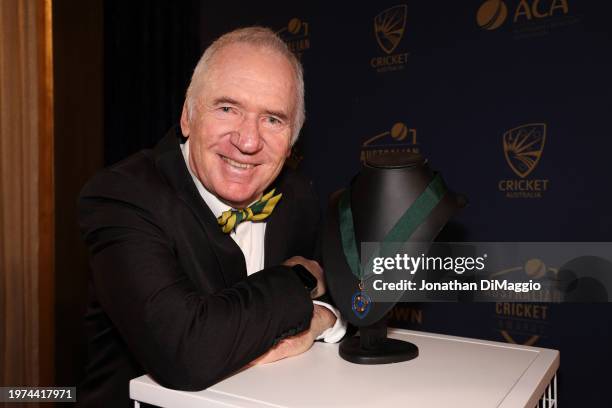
(523, 147)
(389, 27)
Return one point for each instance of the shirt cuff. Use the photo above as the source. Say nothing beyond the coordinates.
(335, 333)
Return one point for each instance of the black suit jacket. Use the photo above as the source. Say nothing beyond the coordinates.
(169, 293)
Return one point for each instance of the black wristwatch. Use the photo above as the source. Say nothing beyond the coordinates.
(309, 281)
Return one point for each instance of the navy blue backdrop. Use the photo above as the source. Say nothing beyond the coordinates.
(509, 99)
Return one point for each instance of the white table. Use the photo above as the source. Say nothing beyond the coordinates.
(449, 372)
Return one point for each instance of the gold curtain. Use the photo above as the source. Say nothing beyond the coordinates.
(26, 193)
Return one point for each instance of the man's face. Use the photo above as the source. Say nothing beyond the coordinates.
(240, 129)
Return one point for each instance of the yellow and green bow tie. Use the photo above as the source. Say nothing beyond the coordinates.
(260, 210)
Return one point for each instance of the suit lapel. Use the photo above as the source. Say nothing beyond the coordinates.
(170, 162)
(277, 226)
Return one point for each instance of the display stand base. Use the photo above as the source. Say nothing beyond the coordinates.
(373, 347)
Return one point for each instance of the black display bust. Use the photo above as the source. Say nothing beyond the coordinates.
(387, 185)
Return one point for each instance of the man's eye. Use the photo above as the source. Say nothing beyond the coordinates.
(273, 121)
(227, 109)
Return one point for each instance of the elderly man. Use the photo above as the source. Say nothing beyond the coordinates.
(201, 248)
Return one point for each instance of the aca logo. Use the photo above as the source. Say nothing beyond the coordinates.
(389, 28)
(523, 146)
(399, 139)
(529, 18)
(297, 36)
(491, 14)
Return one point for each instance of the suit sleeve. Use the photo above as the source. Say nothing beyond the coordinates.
(184, 338)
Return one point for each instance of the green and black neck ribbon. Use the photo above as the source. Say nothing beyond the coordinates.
(401, 231)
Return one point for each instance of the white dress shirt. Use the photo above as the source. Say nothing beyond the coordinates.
(250, 238)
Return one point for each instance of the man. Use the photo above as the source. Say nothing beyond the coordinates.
(181, 289)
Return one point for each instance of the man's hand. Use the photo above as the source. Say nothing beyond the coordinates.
(322, 319)
(314, 268)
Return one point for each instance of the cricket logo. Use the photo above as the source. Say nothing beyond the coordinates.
(389, 27)
(296, 35)
(523, 147)
(400, 138)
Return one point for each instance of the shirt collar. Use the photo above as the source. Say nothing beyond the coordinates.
(216, 206)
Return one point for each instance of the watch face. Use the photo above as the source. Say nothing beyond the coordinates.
(309, 281)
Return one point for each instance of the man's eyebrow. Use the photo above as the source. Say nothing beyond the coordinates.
(228, 100)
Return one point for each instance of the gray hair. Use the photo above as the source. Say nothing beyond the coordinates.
(256, 36)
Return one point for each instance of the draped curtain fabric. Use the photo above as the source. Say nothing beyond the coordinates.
(150, 50)
(26, 193)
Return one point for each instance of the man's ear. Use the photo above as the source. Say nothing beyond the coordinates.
(290, 148)
(185, 120)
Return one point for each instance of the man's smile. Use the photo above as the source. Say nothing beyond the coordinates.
(237, 164)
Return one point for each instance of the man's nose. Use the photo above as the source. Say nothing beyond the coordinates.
(247, 137)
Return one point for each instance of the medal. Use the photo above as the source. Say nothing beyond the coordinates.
(361, 303)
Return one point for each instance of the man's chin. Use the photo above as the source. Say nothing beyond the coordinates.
(238, 200)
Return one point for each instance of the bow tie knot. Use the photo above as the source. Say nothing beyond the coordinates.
(257, 211)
